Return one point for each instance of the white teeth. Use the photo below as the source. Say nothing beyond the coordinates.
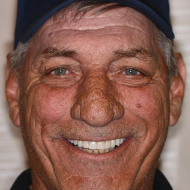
(97, 147)
(92, 145)
(108, 144)
(101, 145)
(79, 144)
(117, 142)
(85, 144)
(113, 143)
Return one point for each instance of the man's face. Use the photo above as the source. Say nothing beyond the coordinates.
(96, 79)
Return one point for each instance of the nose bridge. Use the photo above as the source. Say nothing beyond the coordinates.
(95, 105)
(96, 81)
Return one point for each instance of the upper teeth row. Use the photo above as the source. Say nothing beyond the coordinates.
(97, 145)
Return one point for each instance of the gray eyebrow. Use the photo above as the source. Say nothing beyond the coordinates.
(136, 52)
(54, 52)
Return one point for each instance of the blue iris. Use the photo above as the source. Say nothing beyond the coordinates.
(131, 72)
(60, 71)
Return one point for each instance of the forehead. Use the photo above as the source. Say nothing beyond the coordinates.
(112, 22)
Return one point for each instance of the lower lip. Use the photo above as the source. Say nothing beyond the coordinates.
(99, 157)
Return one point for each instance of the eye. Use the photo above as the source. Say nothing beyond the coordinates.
(131, 72)
(59, 71)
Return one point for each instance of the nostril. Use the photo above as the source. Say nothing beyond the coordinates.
(75, 111)
(118, 110)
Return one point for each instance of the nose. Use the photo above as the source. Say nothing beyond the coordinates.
(95, 105)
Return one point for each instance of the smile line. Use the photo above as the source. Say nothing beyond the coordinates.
(97, 147)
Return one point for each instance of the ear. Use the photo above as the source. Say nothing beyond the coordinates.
(177, 85)
(13, 93)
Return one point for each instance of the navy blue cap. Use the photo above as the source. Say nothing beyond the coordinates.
(32, 14)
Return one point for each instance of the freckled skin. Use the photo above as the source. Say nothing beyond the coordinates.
(94, 101)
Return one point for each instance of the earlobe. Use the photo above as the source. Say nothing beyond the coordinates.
(177, 86)
(13, 93)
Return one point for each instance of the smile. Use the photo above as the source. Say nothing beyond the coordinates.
(97, 147)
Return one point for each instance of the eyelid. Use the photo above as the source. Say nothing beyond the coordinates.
(117, 74)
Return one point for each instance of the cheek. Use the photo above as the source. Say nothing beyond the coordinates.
(148, 103)
(51, 104)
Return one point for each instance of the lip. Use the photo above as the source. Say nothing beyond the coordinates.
(98, 157)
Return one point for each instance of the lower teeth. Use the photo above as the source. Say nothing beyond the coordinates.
(96, 151)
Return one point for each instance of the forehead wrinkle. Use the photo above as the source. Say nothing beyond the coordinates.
(51, 28)
(97, 20)
(88, 27)
(100, 30)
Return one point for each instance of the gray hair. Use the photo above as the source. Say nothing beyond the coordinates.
(166, 45)
(167, 48)
(18, 57)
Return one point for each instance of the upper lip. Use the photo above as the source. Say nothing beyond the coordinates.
(92, 139)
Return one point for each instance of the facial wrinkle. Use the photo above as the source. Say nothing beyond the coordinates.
(97, 30)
